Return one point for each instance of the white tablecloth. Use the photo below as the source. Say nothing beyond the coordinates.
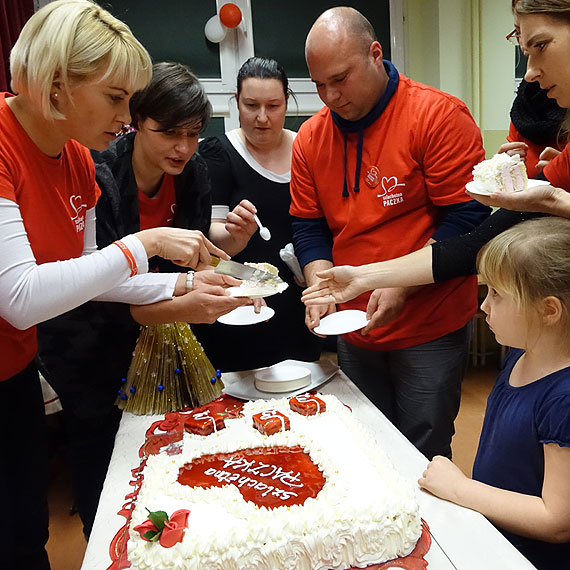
(461, 538)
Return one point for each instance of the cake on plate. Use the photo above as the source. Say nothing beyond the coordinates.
(260, 285)
(292, 483)
(501, 173)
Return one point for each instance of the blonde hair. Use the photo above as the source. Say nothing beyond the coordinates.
(531, 261)
(69, 40)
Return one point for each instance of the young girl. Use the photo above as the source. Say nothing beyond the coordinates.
(521, 473)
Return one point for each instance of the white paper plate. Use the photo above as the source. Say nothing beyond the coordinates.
(257, 292)
(246, 316)
(244, 386)
(342, 322)
(282, 378)
(475, 188)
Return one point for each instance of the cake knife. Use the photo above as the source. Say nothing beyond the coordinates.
(245, 272)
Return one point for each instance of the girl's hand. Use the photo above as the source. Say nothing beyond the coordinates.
(443, 479)
(541, 199)
(336, 285)
(189, 248)
(512, 148)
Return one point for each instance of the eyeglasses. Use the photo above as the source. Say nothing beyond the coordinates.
(514, 37)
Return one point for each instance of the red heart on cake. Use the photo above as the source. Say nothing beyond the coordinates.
(268, 476)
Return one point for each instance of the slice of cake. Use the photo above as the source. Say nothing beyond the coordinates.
(262, 283)
(501, 173)
(320, 495)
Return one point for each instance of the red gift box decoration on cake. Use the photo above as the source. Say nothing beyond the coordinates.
(203, 423)
(269, 422)
(307, 405)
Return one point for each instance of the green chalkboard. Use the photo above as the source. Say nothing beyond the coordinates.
(173, 31)
(280, 28)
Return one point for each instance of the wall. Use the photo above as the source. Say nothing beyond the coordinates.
(459, 46)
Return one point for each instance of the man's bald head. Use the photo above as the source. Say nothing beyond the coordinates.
(342, 25)
(345, 62)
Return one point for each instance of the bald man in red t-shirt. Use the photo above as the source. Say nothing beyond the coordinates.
(377, 173)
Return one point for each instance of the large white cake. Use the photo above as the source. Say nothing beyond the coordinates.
(321, 495)
(501, 173)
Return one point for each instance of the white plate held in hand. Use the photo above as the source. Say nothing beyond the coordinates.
(246, 316)
(342, 322)
(475, 188)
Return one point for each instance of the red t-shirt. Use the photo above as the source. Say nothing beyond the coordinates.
(557, 171)
(53, 195)
(533, 151)
(416, 157)
(158, 211)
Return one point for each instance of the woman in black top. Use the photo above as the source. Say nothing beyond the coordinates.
(250, 171)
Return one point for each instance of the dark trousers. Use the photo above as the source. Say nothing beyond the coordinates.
(90, 442)
(418, 388)
(23, 473)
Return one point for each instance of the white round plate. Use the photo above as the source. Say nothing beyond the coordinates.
(280, 378)
(342, 322)
(257, 292)
(246, 316)
(475, 188)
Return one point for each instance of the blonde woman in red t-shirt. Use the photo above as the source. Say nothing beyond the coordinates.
(74, 69)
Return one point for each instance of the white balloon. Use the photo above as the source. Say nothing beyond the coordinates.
(214, 30)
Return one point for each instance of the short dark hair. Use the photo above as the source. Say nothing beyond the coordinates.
(263, 68)
(173, 98)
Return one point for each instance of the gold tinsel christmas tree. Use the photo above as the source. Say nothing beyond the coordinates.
(169, 372)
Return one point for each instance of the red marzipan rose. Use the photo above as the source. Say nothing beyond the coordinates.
(173, 531)
(145, 527)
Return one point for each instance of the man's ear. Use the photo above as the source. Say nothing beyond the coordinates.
(375, 51)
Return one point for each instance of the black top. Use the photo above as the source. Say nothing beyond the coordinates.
(456, 257)
(285, 334)
(85, 352)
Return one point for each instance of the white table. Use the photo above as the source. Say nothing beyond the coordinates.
(461, 538)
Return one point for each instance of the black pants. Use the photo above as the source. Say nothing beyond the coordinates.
(24, 519)
(90, 443)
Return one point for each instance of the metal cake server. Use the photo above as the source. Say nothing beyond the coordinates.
(245, 272)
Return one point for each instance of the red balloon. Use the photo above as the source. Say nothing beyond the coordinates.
(230, 15)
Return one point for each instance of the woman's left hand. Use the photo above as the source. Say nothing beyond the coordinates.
(209, 278)
(541, 199)
(443, 479)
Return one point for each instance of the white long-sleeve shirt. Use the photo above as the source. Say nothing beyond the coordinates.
(32, 293)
